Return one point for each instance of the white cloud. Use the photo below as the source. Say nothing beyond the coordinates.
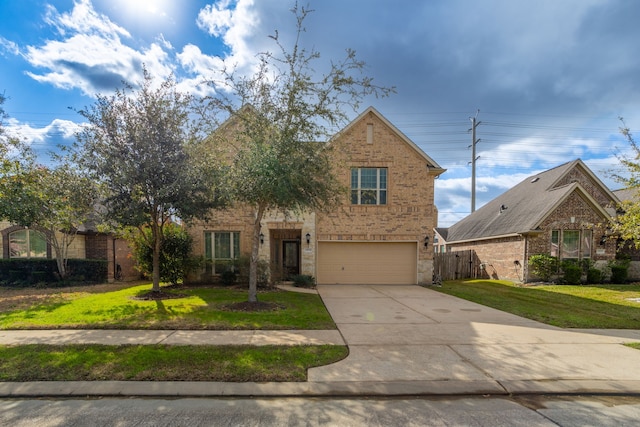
(234, 22)
(9, 46)
(92, 56)
(58, 129)
(83, 19)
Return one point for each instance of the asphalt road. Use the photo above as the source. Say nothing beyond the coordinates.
(463, 411)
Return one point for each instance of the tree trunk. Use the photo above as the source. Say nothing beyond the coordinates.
(253, 261)
(61, 250)
(156, 233)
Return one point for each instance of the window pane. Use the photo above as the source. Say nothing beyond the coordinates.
(383, 178)
(554, 243)
(570, 244)
(354, 178)
(223, 245)
(586, 243)
(383, 197)
(368, 178)
(354, 197)
(208, 249)
(368, 197)
(37, 245)
(236, 245)
(18, 245)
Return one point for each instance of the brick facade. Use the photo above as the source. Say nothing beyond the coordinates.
(87, 246)
(408, 216)
(506, 258)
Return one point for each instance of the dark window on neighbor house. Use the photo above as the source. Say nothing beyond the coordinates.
(571, 244)
(221, 247)
(27, 244)
(369, 186)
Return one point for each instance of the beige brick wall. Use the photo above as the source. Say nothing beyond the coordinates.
(497, 257)
(76, 249)
(409, 214)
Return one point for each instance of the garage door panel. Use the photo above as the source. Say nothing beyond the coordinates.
(367, 263)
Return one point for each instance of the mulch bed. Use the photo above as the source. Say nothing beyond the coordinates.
(247, 306)
(158, 296)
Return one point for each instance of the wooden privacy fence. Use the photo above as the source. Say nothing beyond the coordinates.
(456, 265)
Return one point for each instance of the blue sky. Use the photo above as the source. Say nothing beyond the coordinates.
(550, 78)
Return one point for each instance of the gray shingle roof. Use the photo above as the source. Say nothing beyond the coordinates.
(519, 210)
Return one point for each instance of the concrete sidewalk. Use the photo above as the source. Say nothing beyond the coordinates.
(403, 340)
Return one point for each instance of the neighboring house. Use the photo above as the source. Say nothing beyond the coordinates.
(628, 248)
(381, 234)
(562, 212)
(440, 239)
(21, 242)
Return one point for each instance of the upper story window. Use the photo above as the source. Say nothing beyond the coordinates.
(369, 186)
(571, 244)
(27, 244)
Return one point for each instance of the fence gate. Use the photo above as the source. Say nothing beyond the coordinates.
(456, 265)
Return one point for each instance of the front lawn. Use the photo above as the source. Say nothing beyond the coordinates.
(163, 363)
(602, 306)
(116, 307)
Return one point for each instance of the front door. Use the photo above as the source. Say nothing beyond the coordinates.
(290, 258)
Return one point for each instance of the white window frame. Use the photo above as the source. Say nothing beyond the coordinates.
(585, 242)
(210, 245)
(357, 189)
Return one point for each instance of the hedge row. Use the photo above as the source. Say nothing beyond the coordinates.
(42, 272)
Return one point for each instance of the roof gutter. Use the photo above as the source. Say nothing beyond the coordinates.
(502, 236)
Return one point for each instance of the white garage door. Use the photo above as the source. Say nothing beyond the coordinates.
(393, 263)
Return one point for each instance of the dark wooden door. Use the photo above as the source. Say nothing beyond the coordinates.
(290, 258)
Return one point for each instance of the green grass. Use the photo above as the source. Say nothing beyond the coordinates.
(163, 363)
(200, 308)
(635, 345)
(602, 306)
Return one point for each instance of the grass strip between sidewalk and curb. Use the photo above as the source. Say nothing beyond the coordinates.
(39, 362)
(590, 307)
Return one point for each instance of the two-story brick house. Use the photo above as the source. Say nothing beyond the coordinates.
(380, 234)
(563, 212)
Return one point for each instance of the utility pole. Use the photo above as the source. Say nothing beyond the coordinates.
(474, 141)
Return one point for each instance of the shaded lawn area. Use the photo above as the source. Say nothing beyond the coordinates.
(116, 307)
(163, 363)
(601, 306)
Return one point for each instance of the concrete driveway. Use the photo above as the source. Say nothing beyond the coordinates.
(415, 337)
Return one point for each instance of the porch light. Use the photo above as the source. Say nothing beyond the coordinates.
(308, 236)
(261, 238)
(426, 241)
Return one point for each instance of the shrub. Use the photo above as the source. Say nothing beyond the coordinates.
(303, 281)
(571, 273)
(228, 277)
(594, 276)
(175, 254)
(43, 272)
(619, 269)
(543, 266)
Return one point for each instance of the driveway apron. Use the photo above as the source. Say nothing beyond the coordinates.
(411, 333)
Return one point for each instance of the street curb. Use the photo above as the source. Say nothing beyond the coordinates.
(183, 389)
